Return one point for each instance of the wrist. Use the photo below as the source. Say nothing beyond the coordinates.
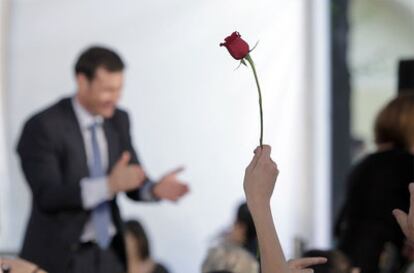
(112, 189)
(257, 203)
(153, 191)
(109, 191)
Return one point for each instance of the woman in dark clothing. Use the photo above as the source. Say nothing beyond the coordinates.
(138, 251)
(376, 186)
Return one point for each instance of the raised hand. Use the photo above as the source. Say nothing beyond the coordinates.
(406, 221)
(170, 187)
(260, 176)
(125, 176)
(259, 182)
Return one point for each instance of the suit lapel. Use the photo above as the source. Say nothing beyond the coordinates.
(74, 134)
(112, 141)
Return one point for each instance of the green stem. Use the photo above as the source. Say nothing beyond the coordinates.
(250, 60)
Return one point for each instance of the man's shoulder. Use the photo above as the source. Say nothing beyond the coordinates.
(120, 115)
(51, 113)
(119, 121)
(45, 124)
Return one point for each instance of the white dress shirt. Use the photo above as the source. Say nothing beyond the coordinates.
(94, 191)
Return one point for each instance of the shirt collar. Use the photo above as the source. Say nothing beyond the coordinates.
(85, 118)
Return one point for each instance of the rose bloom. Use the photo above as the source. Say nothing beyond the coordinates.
(237, 47)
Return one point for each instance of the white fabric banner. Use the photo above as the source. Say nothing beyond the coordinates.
(4, 155)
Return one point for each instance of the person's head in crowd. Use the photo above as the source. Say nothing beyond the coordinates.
(229, 258)
(136, 239)
(394, 125)
(337, 262)
(99, 78)
(138, 249)
(244, 231)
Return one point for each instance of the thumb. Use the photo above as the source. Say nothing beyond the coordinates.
(124, 159)
(175, 171)
(309, 261)
(257, 153)
(401, 218)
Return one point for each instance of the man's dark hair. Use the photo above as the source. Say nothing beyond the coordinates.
(95, 57)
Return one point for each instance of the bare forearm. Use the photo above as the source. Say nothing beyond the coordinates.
(259, 181)
(271, 253)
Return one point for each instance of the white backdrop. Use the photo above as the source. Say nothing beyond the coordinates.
(4, 165)
(187, 104)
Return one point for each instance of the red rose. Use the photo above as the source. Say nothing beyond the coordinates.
(239, 49)
(236, 46)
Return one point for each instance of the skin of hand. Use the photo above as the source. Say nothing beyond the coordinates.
(260, 176)
(170, 187)
(259, 182)
(406, 221)
(125, 176)
(300, 265)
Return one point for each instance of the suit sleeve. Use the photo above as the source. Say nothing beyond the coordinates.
(40, 163)
(144, 193)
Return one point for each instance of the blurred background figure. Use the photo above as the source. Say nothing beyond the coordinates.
(230, 257)
(75, 222)
(243, 232)
(377, 185)
(138, 250)
(408, 253)
(236, 249)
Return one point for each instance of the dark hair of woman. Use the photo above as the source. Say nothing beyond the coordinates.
(245, 218)
(136, 229)
(395, 122)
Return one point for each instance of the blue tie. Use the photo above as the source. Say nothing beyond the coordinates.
(101, 215)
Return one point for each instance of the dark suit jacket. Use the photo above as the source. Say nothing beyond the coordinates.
(53, 160)
(377, 185)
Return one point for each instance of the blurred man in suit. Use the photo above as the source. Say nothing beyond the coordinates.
(77, 155)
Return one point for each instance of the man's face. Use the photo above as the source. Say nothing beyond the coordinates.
(101, 94)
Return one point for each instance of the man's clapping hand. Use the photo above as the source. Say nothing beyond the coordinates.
(125, 176)
(170, 187)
